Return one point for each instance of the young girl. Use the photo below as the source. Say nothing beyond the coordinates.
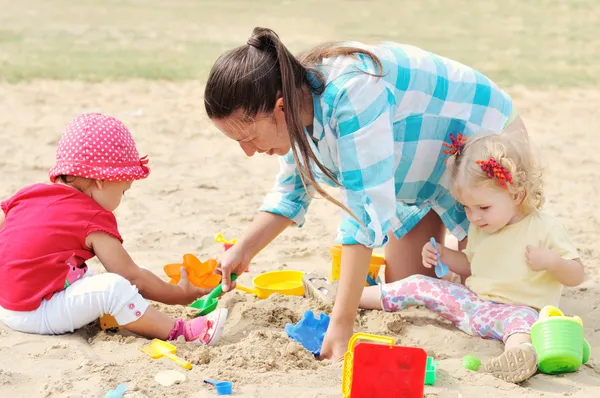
(370, 120)
(517, 257)
(49, 231)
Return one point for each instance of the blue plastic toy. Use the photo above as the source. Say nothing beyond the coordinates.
(117, 392)
(223, 387)
(441, 270)
(309, 331)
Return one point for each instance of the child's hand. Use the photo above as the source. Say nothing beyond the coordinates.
(190, 292)
(540, 258)
(431, 255)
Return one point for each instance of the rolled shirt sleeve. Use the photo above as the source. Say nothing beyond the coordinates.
(289, 197)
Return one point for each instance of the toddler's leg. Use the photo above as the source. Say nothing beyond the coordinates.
(512, 325)
(451, 301)
(91, 297)
(81, 303)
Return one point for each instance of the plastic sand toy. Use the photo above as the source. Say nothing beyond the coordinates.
(471, 362)
(558, 341)
(222, 387)
(117, 392)
(208, 304)
(309, 331)
(158, 349)
(374, 266)
(226, 243)
(200, 274)
(441, 270)
(430, 371)
(382, 370)
(283, 282)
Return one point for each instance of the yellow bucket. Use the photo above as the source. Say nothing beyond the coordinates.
(286, 282)
(374, 266)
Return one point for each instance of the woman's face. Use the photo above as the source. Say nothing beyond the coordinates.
(266, 133)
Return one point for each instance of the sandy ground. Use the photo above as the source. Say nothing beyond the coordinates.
(202, 184)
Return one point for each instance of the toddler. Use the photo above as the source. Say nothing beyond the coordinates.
(49, 231)
(516, 261)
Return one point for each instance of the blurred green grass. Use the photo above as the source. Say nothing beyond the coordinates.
(532, 43)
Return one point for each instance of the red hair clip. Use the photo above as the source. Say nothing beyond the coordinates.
(456, 145)
(494, 169)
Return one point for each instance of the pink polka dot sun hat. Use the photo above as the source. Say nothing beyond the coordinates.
(98, 147)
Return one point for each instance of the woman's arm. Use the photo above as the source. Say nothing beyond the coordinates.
(2, 218)
(115, 259)
(285, 205)
(262, 230)
(353, 272)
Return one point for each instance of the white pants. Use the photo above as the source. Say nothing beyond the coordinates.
(81, 303)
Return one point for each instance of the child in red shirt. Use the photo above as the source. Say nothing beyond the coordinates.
(49, 231)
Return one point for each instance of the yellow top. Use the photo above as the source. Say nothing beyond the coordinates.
(499, 269)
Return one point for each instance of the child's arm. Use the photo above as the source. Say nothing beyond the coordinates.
(115, 258)
(2, 218)
(456, 261)
(567, 272)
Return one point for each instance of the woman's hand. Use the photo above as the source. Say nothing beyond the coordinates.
(354, 267)
(262, 230)
(335, 343)
(236, 261)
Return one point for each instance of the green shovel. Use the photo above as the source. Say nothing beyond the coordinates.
(207, 304)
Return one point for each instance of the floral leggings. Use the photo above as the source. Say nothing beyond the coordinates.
(459, 305)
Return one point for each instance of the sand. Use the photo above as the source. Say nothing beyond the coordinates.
(201, 184)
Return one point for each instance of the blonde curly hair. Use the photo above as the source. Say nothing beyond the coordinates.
(508, 151)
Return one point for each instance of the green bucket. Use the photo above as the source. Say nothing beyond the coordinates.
(559, 343)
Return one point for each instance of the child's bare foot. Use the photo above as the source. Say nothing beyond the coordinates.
(515, 365)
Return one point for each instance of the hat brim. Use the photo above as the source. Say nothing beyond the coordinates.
(105, 173)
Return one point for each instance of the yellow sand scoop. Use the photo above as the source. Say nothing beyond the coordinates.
(158, 349)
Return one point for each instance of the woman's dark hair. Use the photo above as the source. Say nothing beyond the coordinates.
(252, 77)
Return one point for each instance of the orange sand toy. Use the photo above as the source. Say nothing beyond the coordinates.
(108, 322)
(200, 274)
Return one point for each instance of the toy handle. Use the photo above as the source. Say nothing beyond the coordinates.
(246, 289)
(549, 311)
(220, 239)
(371, 337)
(217, 291)
(179, 361)
(552, 311)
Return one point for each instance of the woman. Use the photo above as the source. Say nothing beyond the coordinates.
(370, 120)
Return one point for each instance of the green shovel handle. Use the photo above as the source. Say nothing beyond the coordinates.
(217, 291)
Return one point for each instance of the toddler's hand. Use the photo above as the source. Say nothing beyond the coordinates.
(431, 255)
(540, 258)
(190, 292)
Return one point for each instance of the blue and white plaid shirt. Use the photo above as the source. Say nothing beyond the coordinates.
(382, 138)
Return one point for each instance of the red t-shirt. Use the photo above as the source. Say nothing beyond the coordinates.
(42, 242)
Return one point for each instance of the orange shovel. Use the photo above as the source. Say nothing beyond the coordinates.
(158, 349)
